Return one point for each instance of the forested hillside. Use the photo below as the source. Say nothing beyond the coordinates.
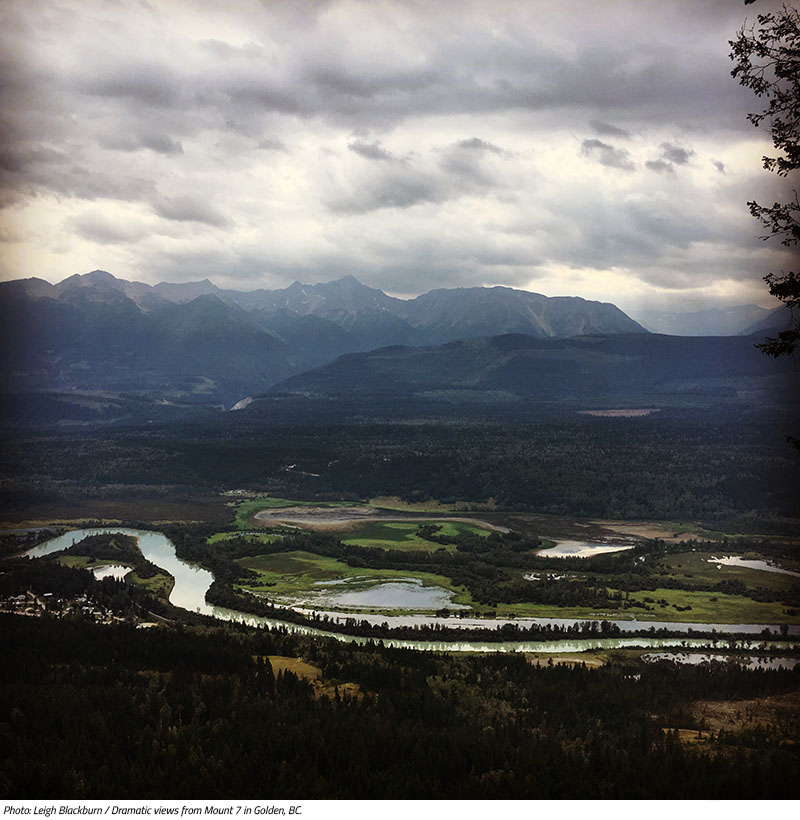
(114, 712)
(708, 463)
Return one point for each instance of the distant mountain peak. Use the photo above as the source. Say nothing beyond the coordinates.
(204, 283)
(348, 282)
(93, 278)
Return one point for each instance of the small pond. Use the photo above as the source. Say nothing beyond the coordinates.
(404, 593)
(736, 561)
(581, 549)
(117, 571)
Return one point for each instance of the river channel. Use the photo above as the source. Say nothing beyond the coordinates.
(192, 583)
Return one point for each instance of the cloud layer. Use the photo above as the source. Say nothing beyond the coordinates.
(415, 145)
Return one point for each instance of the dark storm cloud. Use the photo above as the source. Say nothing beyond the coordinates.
(190, 209)
(676, 153)
(271, 145)
(88, 182)
(639, 78)
(250, 94)
(143, 84)
(670, 156)
(476, 144)
(607, 155)
(395, 182)
(371, 150)
(399, 187)
(338, 84)
(606, 129)
(660, 166)
(466, 159)
(159, 143)
(18, 159)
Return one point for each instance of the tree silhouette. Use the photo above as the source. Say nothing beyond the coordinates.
(767, 57)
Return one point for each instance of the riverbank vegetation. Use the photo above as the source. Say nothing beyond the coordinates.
(501, 574)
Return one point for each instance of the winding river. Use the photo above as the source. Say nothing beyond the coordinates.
(192, 582)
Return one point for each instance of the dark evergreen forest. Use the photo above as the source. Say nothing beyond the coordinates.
(99, 712)
(712, 464)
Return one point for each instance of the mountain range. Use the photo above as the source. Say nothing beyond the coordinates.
(195, 342)
(94, 346)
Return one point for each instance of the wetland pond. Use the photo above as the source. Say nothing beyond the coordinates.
(581, 549)
(117, 571)
(736, 561)
(403, 593)
(192, 582)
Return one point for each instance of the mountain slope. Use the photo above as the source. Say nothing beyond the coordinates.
(447, 314)
(777, 319)
(590, 368)
(204, 350)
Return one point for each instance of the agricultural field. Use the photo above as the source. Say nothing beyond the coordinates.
(404, 535)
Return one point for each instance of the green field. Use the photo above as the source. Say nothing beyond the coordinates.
(402, 535)
(711, 607)
(706, 606)
(724, 610)
(85, 562)
(160, 584)
(696, 567)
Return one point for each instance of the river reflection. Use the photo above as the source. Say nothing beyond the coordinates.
(192, 583)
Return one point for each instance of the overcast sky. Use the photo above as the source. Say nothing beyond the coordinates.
(596, 148)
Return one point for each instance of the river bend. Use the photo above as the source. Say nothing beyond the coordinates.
(192, 583)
